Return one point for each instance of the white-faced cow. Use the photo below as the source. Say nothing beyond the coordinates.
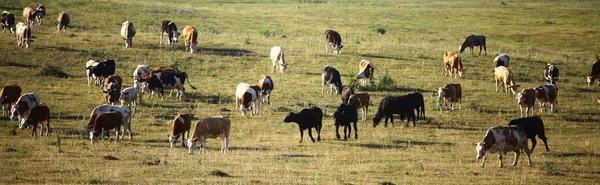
(99, 70)
(63, 21)
(170, 29)
(41, 12)
(547, 93)
(366, 70)
(37, 115)
(594, 74)
(9, 96)
(180, 128)
(247, 97)
(472, 41)
(24, 105)
(125, 112)
(505, 76)
(213, 127)
(451, 93)
(139, 71)
(266, 85)
(551, 73)
(333, 38)
(278, 59)
(501, 60)
(158, 81)
(453, 65)
(23, 35)
(526, 100)
(503, 139)
(127, 32)
(7, 20)
(190, 34)
(332, 77)
(129, 97)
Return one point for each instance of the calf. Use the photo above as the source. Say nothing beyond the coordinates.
(190, 34)
(249, 97)
(395, 105)
(453, 65)
(7, 20)
(139, 71)
(38, 114)
(125, 115)
(24, 105)
(213, 127)
(127, 32)
(158, 81)
(41, 12)
(505, 76)
(278, 59)
(547, 93)
(63, 21)
(451, 93)
(23, 35)
(503, 139)
(471, 41)
(129, 97)
(29, 15)
(419, 102)
(332, 77)
(501, 60)
(551, 73)
(343, 116)
(181, 126)
(526, 99)
(334, 38)
(307, 119)
(106, 122)
(346, 93)
(594, 74)
(365, 72)
(265, 84)
(361, 101)
(9, 96)
(533, 126)
(170, 29)
(99, 70)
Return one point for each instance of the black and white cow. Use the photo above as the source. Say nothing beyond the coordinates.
(41, 12)
(533, 126)
(157, 82)
(170, 29)
(332, 77)
(551, 73)
(7, 20)
(99, 70)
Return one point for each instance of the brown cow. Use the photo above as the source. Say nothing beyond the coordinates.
(212, 127)
(63, 21)
(361, 101)
(526, 99)
(334, 38)
(29, 15)
(9, 96)
(180, 127)
(451, 93)
(106, 121)
(365, 72)
(453, 64)
(265, 84)
(38, 114)
(547, 93)
(594, 74)
(190, 34)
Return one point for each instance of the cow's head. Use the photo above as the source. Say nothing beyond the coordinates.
(463, 72)
(460, 49)
(283, 68)
(175, 36)
(513, 89)
(13, 29)
(338, 49)
(191, 143)
(521, 98)
(441, 93)
(94, 138)
(480, 150)
(590, 80)
(14, 112)
(291, 117)
(25, 122)
(173, 140)
(376, 120)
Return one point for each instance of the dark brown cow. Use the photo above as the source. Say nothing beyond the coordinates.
(63, 21)
(9, 96)
(181, 125)
(335, 39)
(106, 122)
(266, 85)
(472, 41)
(38, 114)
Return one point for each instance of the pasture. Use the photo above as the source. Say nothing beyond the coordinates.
(234, 41)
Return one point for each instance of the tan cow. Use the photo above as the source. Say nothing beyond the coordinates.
(23, 35)
(190, 34)
(365, 72)
(505, 76)
(361, 101)
(29, 15)
(127, 32)
(453, 64)
(213, 127)
(526, 99)
(451, 93)
(63, 21)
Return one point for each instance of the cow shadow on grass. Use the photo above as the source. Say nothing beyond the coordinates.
(422, 143)
(320, 74)
(574, 154)
(211, 99)
(63, 48)
(377, 146)
(248, 148)
(581, 120)
(296, 156)
(385, 57)
(409, 89)
(592, 89)
(226, 51)
(14, 64)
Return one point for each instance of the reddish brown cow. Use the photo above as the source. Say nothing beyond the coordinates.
(38, 114)
(180, 127)
(106, 121)
(9, 96)
(265, 84)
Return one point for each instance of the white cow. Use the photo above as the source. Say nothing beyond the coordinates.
(91, 77)
(127, 32)
(129, 97)
(141, 70)
(249, 97)
(24, 104)
(277, 57)
(124, 110)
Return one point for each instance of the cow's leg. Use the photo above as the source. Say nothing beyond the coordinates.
(346, 131)
(47, 126)
(496, 85)
(533, 143)
(301, 135)
(386, 121)
(337, 132)
(161, 38)
(483, 163)
(484, 49)
(551, 106)
(459, 104)
(323, 86)
(318, 128)
(355, 130)
(203, 145)
(274, 66)
(500, 152)
(226, 141)
(310, 134)
(326, 47)
(521, 108)
(531, 110)
(33, 131)
(528, 153)
(517, 154)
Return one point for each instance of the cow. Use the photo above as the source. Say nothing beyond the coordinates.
(170, 29)
(346, 93)
(180, 127)
(417, 99)
(139, 71)
(9, 96)
(158, 81)
(503, 139)
(24, 105)
(63, 21)
(190, 34)
(533, 126)
(116, 79)
(332, 77)
(391, 105)
(38, 114)
(453, 65)
(451, 93)
(23, 35)
(247, 97)
(278, 59)
(307, 119)
(112, 93)
(127, 33)
(366, 70)
(29, 15)
(212, 127)
(99, 70)
(361, 101)
(125, 115)
(551, 73)
(505, 76)
(471, 41)
(501, 60)
(265, 84)
(333, 38)
(594, 74)
(106, 122)
(129, 97)
(344, 116)
(7, 20)
(41, 12)
(547, 93)
(526, 99)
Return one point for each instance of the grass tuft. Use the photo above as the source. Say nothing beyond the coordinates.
(548, 167)
(381, 30)
(49, 70)
(266, 32)
(386, 82)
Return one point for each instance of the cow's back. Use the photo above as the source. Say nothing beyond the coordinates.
(531, 125)
(212, 127)
(41, 112)
(595, 69)
(190, 34)
(457, 90)
(64, 19)
(10, 93)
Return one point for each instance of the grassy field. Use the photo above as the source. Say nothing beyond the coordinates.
(235, 38)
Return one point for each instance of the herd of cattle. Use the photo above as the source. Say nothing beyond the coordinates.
(30, 112)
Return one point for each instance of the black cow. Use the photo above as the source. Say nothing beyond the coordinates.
(533, 126)
(7, 20)
(594, 74)
(417, 99)
(102, 70)
(333, 37)
(332, 77)
(473, 40)
(307, 119)
(346, 93)
(391, 105)
(551, 73)
(170, 29)
(343, 116)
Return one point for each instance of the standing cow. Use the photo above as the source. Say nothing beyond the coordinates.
(127, 32)
(9, 96)
(278, 59)
(41, 12)
(453, 65)
(23, 35)
(451, 93)
(181, 125)
(402, 105)
(190, 34)
(472, 41)
(503, 139)
(266, 85)
(501, 60)
(7, 20)
(551, 73)
(248, 97)
(37, 115)
(24, 104)
(63, 21)
(170, 29)
(333, 38)
(505, 76)
(332, 77)
(365, 72)
(547, 93)
(594, 74)
(29, 15)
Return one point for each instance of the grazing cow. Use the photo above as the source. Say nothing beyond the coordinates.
(7, 20)
(112, 93)
(343, 116)
(106, 122)
(551, 73)
(533, 126)
(332, 77)
(23, 35)
(190, 34)
(129, 97)
(594, 74)
(213, 127)
(391, 105)
(451, 93)
(365, 72)
(501, 60)
(158, 81)
(38, 114)
(453, 65)
(526, 99)
(249, 97)
(471, 41)
(116, 79)
(503, 139)
(278, 59)
(334, 38)
(125, 114)
(170, 29)
(547, 93)
(181, 125)
(419, 102)
(63, 21)
(307, 119)
(9, 96)
(265, 84)
(505, 76)
(139, 71)
(99, 70)
(24, 105)
(361, 101)
(127, 32)
(346, 93)
(41, 12)
(29, 14)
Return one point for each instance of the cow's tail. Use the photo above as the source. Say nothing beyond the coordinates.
(188, 80)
